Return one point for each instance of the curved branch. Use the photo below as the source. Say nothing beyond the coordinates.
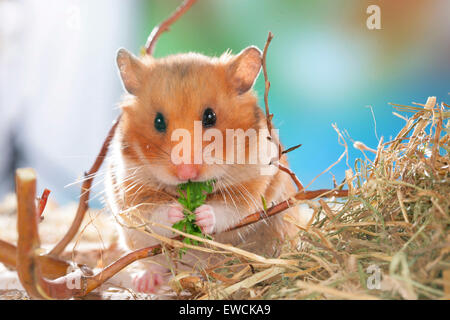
(269, 116)
(294, 178)
(80, 285)
(83, 204)
(28, 242)
(8, 254)
(51, 267)
(165, 25)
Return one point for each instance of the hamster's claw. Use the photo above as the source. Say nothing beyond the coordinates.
(147, 281)
(175, 214)
(205, 218)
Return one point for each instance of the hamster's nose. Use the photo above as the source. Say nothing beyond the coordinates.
(186, 172)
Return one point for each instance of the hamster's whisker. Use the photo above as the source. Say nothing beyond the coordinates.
(154, 145)
(219, 186)
(240, 186)
(232, 200)
(236, 186)
(95, 176)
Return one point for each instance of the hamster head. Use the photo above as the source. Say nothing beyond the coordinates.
(177, 103)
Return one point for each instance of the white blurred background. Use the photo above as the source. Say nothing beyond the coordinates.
(58, 86)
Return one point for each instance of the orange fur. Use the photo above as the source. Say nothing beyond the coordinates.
(181, 87)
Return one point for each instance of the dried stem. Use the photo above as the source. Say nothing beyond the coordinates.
(437, 137)
(165, 25)
(59, 288)
(28, 242)
(43, 202)
(83, 204)
(51, 267)
(262, 215)
(269, 116)
(291, 149)
(8, 254)
(286, 204)
(292, 174)
(28, 262)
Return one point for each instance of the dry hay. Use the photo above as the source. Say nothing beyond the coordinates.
(389, 240)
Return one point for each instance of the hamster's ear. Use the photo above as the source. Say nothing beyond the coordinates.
(244, 69)
(131, 70)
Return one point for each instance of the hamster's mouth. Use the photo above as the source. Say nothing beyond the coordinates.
(167, 180)
(212, 180)
(172, 188)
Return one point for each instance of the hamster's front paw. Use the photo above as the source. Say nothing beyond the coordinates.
(148, 281)
(205, 218)
(175, 214)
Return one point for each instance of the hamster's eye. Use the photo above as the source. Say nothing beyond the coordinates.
(209, 118)
(160, 122)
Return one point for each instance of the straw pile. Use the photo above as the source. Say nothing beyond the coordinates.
(388, 240)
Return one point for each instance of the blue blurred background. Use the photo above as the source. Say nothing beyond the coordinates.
(59, 86)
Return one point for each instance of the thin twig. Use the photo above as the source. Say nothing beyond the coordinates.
(269, 116)
(28, 242)
(291, 149)
(43, 202)
(51, 267)
(437, 136)
(83, 204)
(165, 25)
(292, 174)
(8, 254)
